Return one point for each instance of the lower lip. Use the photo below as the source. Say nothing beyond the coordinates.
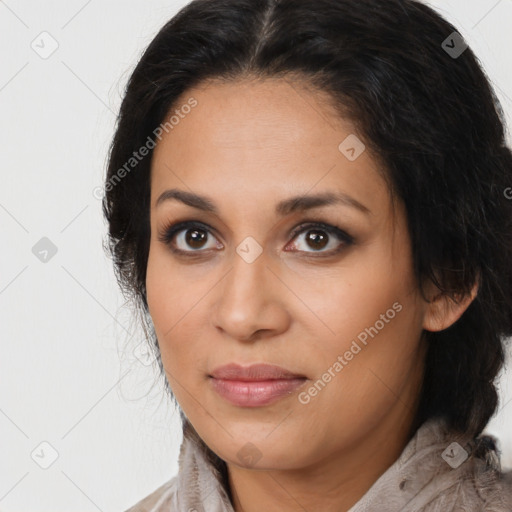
(255, 393)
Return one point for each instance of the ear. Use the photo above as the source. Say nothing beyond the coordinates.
(443, 311)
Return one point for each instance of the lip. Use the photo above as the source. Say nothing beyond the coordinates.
(256, 385)
(254, 372)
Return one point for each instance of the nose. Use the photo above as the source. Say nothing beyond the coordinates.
(251, 301)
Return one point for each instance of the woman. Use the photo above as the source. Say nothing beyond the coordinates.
(308, 202)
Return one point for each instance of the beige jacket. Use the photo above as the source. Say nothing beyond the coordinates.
(436, 472)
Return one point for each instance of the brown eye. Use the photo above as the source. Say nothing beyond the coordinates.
(195, 238)
(319, 236)
(316, 239)
(186, 237)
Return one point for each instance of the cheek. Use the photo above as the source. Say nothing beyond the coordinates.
(346, 299)
(369, 367)
(370, 315)
(170, 292)
(158, 288)
(174, 303)
(165, 296)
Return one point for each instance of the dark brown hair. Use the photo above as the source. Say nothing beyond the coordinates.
(430, 115)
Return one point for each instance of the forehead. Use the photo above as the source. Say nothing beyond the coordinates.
(250, 137)
(252, 115)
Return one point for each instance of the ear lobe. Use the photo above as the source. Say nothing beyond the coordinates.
(443, 310)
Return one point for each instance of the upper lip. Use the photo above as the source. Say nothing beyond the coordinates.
(254, 372)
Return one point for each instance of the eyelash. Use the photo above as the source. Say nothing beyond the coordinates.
(169, 231)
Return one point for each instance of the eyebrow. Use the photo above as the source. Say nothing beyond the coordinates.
(285, 207)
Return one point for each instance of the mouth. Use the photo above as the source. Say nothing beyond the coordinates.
(256, 385)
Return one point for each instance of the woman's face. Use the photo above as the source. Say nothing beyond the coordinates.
(259, 280)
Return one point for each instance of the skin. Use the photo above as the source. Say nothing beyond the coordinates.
(248, 145)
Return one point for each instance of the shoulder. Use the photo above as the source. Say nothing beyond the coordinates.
(478, 484)
(489, 488)
(159, 500)
(443, 470)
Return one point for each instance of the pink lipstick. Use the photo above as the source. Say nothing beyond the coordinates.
(255, 385)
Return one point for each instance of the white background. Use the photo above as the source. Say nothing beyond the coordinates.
(67, 370)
